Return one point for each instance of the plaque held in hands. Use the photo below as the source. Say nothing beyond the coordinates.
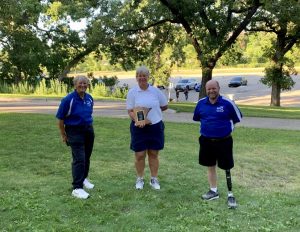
(140, 116)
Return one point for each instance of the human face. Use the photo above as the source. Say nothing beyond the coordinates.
(81, 86)
(212, 90)
(142, 80)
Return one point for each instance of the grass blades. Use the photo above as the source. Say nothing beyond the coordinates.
(35, 181)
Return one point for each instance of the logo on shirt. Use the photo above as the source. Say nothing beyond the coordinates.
(89, 103)
(220, 109)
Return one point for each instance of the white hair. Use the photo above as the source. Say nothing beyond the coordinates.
(142, 70)
(80, 78)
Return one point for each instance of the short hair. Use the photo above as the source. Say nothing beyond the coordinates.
(79, 78)
(210, 81)
(142, 70)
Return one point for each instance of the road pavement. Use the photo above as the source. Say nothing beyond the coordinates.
(117, 109)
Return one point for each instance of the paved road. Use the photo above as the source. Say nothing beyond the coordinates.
(117, 109)
(255, 93)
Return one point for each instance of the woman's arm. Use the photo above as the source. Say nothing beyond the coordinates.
(61, 127)
(163, 108)
(131, 114)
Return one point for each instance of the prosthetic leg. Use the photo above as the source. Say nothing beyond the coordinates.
(230, 200)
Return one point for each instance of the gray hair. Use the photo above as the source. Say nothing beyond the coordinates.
(142, 70)
(80, 78)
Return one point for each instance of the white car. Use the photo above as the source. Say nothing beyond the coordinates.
(186, 83)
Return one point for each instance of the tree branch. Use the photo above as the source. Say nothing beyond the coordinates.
(185, 25)
(150, 25)
(239, 29)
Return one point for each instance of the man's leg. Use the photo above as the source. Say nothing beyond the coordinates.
(212, 180)
(212, 177)
(231, 200)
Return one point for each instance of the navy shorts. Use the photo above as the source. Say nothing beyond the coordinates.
(216, 152)
(150, 137)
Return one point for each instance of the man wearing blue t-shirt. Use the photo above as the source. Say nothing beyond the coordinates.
(217, 116)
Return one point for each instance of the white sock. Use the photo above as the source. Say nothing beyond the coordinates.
(214, 189)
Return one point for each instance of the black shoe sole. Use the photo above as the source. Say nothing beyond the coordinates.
(210, 199)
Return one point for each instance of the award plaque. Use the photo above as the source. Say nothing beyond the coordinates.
(140, 116)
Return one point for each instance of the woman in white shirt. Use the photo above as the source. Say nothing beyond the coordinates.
(147, 136)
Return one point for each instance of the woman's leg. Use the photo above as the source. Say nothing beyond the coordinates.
(153, 162)
(140, 163)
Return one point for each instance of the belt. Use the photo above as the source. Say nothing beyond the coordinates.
(79, 126)
(218, 139)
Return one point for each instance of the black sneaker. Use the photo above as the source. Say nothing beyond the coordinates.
(231, 202)
(210, 195)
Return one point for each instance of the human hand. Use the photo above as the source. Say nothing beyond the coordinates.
(64, 138)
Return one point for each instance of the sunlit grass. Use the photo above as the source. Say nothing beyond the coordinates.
(36, 181)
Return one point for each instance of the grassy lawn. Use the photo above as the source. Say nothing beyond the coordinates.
(36, 192)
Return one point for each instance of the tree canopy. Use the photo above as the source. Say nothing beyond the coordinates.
(37, 36)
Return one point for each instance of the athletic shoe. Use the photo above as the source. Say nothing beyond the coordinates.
(210, 195)
(231, 202)
(154, 183)
(139, 184)
(80, 193)
(87, 184)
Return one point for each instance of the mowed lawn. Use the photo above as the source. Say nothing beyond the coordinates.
(35, 189)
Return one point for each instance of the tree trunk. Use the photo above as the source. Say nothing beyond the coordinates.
(206, 76)
(275, 95)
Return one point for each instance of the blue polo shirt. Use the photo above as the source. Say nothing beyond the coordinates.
(76, 111)
(217, 120)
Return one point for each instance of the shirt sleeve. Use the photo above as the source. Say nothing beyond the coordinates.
(162, 98)
(236, 114)
(130, 100)
(196, 116)
(63, 109)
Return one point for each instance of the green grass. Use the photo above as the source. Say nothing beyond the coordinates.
(249, 111)
(36, 191)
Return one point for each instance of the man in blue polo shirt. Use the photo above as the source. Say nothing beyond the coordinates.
(217, 116)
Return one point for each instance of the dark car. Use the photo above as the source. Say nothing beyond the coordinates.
(237, 81)
(161, 87)
(188, 84)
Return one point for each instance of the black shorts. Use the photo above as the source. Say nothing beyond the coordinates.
(216, 151)
(150, 137)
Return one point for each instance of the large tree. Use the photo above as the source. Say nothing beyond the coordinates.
(21, 50)
(138, 31)
(281, 18)
(211, 26)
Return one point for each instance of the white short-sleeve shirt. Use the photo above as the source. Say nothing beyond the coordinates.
(152, 98)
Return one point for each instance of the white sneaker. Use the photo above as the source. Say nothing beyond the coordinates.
(139, 184)
(80, 193)
(154, 183)
(87, 184)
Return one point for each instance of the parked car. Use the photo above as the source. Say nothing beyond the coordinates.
(186, 83)
(237, 81)
(161, 87)
(198, 87)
